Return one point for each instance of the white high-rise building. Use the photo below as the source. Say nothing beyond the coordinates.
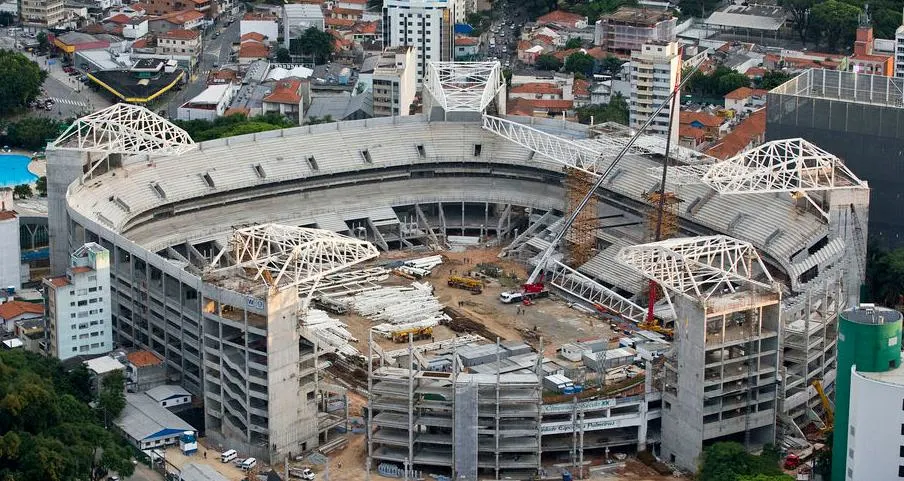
(10, 255)
(899, 52)
(654, 70)
(77, 305)
(394, 82)
(426, 25)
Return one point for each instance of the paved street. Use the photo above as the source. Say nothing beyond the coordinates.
(216, 52)
(144, 473)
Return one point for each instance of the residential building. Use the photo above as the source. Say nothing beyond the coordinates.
(865, 59)
(394, 82)
(179, 42)
(222, 76)
(747, 134)
(712, 126)
(466, 48)
(147, 425)
(563, 19)
(795, 61)
(536, 90)
(655, 69)
(163, 7)
(854, 116)
(899, 52)
(426, 25)
(298, 17)
(580, 92)
(252, 49)
(341, 107)
(145, 370)
(629, 28)
(745, 99)
(181, 20)
(287, 99)
(209, 104)
(345, 13)
(31, 333)
(262, 23)
(42, 13)
(77, 305)
(527, 53)
(10, 255)
(12, 312)
(352, 4)
(869, 390)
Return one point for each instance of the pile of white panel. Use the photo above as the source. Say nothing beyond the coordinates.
(420, 267)
(399, 308)
(330, 334)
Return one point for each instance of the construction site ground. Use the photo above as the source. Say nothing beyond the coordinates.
(553, 319)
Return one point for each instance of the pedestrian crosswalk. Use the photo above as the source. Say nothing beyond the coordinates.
(74, 103)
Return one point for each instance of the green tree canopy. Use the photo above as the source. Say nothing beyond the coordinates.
(834, 22)
(232, 125)
(800, 15)
(573, 42)
(111, 399)
(22, 191)
(32, 133)
(313, 43)
(548, 62)
(43, 43)
(721, 81)
(49, 432)
(581, 63)
(41, 185)
(611, 65)
(20, 81)
(729, 461)
(772, 79)
(885, 275)
(615, 111)
(283, 56)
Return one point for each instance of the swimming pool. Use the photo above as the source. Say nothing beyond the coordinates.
(14, 170)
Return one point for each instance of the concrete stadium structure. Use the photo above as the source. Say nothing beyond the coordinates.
(167, 208)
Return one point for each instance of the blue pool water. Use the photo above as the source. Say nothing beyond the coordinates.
(14, 170)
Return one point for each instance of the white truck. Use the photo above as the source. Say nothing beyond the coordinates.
(513, 297)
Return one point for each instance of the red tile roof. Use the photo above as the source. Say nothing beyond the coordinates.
(708, 120)
(181, 17)
(144, 358)
(467, 41)
(180, 34)
(539, 104)
(689, 131)
(258, 16)
(750, 130)
(536, 88)
(13, 309)
(252, 49)
(237, 110)
(544, 39)
(561, 17)
(741, 93)
(755, 72)
(581, 87)
(7, 214)
(140, 43)
(286, 91)
(339, 22)
(524, 45)
(81, 269)
(346, 11)
(58, 281)
(365, 28)
(139, 7)
(256, 36)
(120, 18)
(563, 54)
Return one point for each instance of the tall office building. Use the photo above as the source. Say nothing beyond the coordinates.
(426, 25)
(394, 82)
(78, 305)
(654, 70)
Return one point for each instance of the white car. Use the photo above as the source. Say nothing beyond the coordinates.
(307, 474)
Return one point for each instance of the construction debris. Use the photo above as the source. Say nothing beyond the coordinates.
(330, 334)
(400, 310)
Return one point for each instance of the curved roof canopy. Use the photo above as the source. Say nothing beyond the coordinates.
(124, 129)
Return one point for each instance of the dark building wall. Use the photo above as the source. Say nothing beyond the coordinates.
(868, 138)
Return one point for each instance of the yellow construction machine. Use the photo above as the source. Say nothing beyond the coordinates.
(829, 420)
(466, 283)
(416, 333)
(653, 325)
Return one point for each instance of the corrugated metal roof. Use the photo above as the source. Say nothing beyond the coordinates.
(162, 393)
(143, 417)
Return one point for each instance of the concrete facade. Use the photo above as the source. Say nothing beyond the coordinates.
(394, 82)
(10, 255)
(426, 25)
(654, 72)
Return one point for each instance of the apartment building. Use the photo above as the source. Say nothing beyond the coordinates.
(426, 25)
(655, 68)
(179, 42)
(628, 28)
(394, 81)
(78, 305)
(42, 13)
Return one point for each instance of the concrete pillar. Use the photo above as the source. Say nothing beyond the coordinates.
(63, 168)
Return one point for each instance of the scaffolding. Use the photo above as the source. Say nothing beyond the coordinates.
(581, 236)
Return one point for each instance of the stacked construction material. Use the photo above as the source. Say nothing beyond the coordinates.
(399, 309)
(420, 267)
(330, 334)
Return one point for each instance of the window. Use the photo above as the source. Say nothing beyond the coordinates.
(365, 154)
(82, 303)
(163, 403)
(420, 151)
(901, 451)
(312, 163)
(92, 289)
(851, 453)
(901, 471)
(72, 315)
(74, 349)
(477, 149)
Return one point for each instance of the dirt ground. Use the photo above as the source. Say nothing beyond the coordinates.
(557, 323)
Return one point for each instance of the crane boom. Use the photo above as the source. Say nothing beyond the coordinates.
(547, 253)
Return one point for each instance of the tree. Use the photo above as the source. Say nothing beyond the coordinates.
(721, 81)
(111, 399)
(43, 44)
(233, 125)
(20, 81)
(580, 62)
(313, 42)
(283, 56)
(772, 79)
(507, 75)
(730, 82)
(41, 186)
(615, 111)
(548, 62)
(480, 22)
(835, 22)
(22, 191)
(729, 461)
(573, 42)
(611, 65)
(319, 120)
(31, 133)
(49, 432)
(800, 15)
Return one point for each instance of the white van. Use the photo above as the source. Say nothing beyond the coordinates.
(227, 456)
(248, 464)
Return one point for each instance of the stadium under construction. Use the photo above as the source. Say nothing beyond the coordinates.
(218, 247)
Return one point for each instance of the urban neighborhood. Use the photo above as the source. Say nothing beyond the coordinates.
(451, 240)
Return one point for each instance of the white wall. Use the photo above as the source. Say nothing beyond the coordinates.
(10, 255)
(267, 28)
(877, 422)
(135, 31)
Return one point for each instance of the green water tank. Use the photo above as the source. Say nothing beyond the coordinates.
(869, 337)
